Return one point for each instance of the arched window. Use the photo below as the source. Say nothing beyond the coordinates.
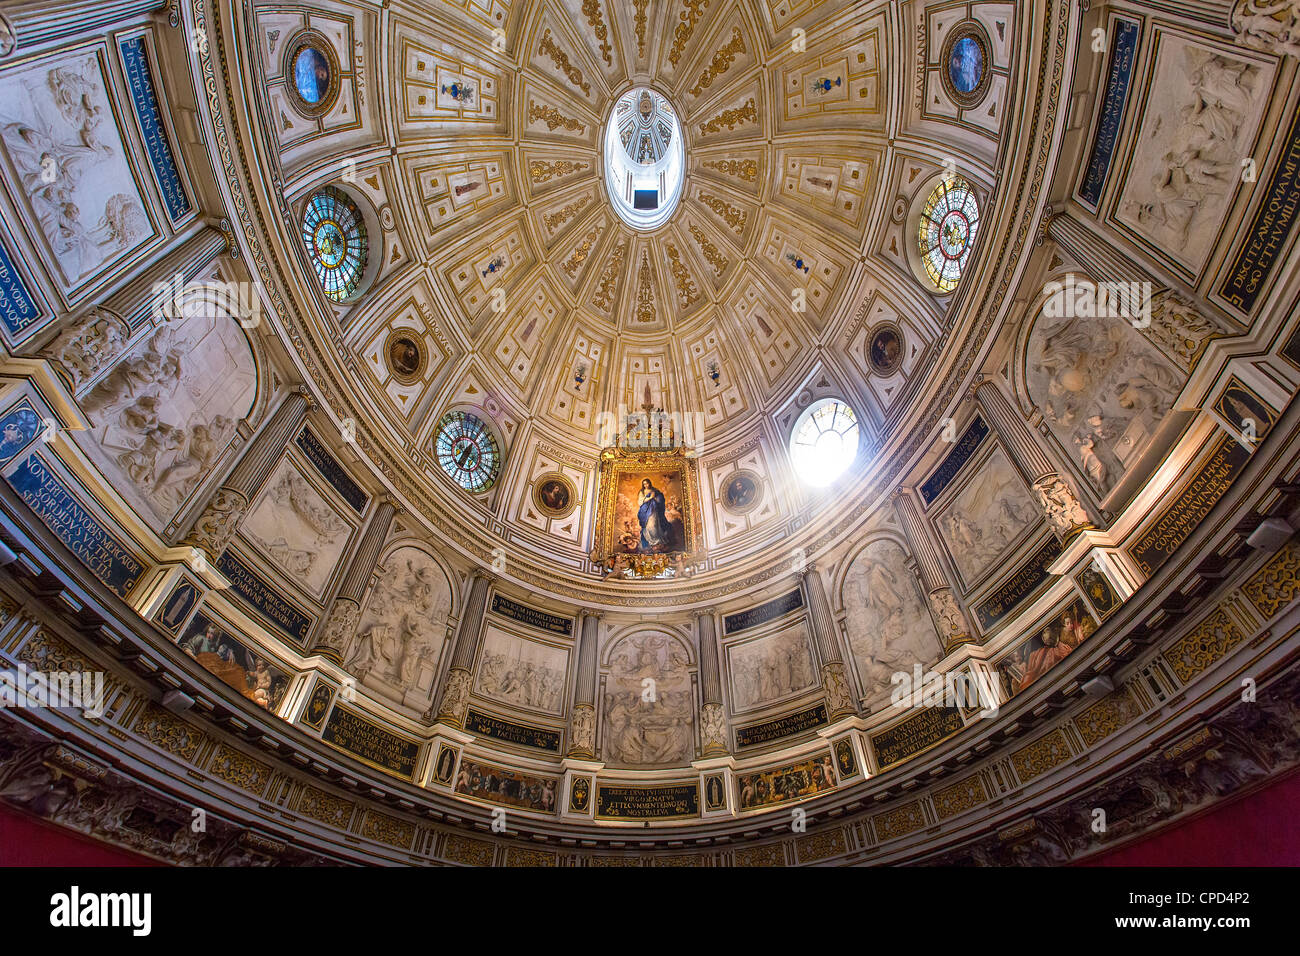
(824, 442)
(334, 232)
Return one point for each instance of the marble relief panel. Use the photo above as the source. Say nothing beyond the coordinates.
(986, 516)
(521, 672)
(295, 527)
(889, 629)
(61, 136)
(164, 414)
(403, 627)
(1203, 111)
(770, 669)
(1103, 389)
(649, 708)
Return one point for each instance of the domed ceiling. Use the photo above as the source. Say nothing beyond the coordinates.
(807, 152)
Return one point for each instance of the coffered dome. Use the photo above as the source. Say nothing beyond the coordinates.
(704, 209)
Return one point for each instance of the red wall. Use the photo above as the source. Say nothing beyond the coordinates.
(27, 841)
(1258, 830)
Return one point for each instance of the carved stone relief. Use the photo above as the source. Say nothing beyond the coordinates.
(294, 526)
(1200, 119)
(986, 516)
(770, 669)
(1103, 389)
(89, 345)
(1271, 27)
(165, 413)
(515, 670)
(885, 618)
(403, 628)
(58, 128)
(649, 716)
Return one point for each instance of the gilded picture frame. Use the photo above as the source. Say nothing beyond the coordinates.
(648, 514)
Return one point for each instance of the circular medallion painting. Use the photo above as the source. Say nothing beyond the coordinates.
(312, 74)
(965, 64)
(554, 496)
(406, 359)
(467, 451)
(885, 351)
(741, 492)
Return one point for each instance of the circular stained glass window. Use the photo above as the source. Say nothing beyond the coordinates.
(645, 158)
(824, 442)
(313, 74)
(467, 451)
(946, 231)
(335, 235)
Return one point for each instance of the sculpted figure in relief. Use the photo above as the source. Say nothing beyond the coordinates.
(1203, 160)
(167, 410)
(89, 345)
(649, 703)
(54, 131)
(887, 624)
(1271, 27)
(405, 621)
(771, 668)
(1103, 389)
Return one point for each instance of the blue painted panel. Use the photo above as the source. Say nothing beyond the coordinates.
(135, 64)
(947, 471)
(97, 548)
(264, 599)
(18, 309)
(1119, 74)
(17, 429)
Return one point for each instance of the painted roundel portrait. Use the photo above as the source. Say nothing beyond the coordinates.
(885, 351)
(741, 492)
(405, 357)
(554, 496)
(964, 64)
(312, 74)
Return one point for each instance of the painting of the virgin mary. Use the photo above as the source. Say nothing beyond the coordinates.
(648, 508)
(658, 533)
(650, 513)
